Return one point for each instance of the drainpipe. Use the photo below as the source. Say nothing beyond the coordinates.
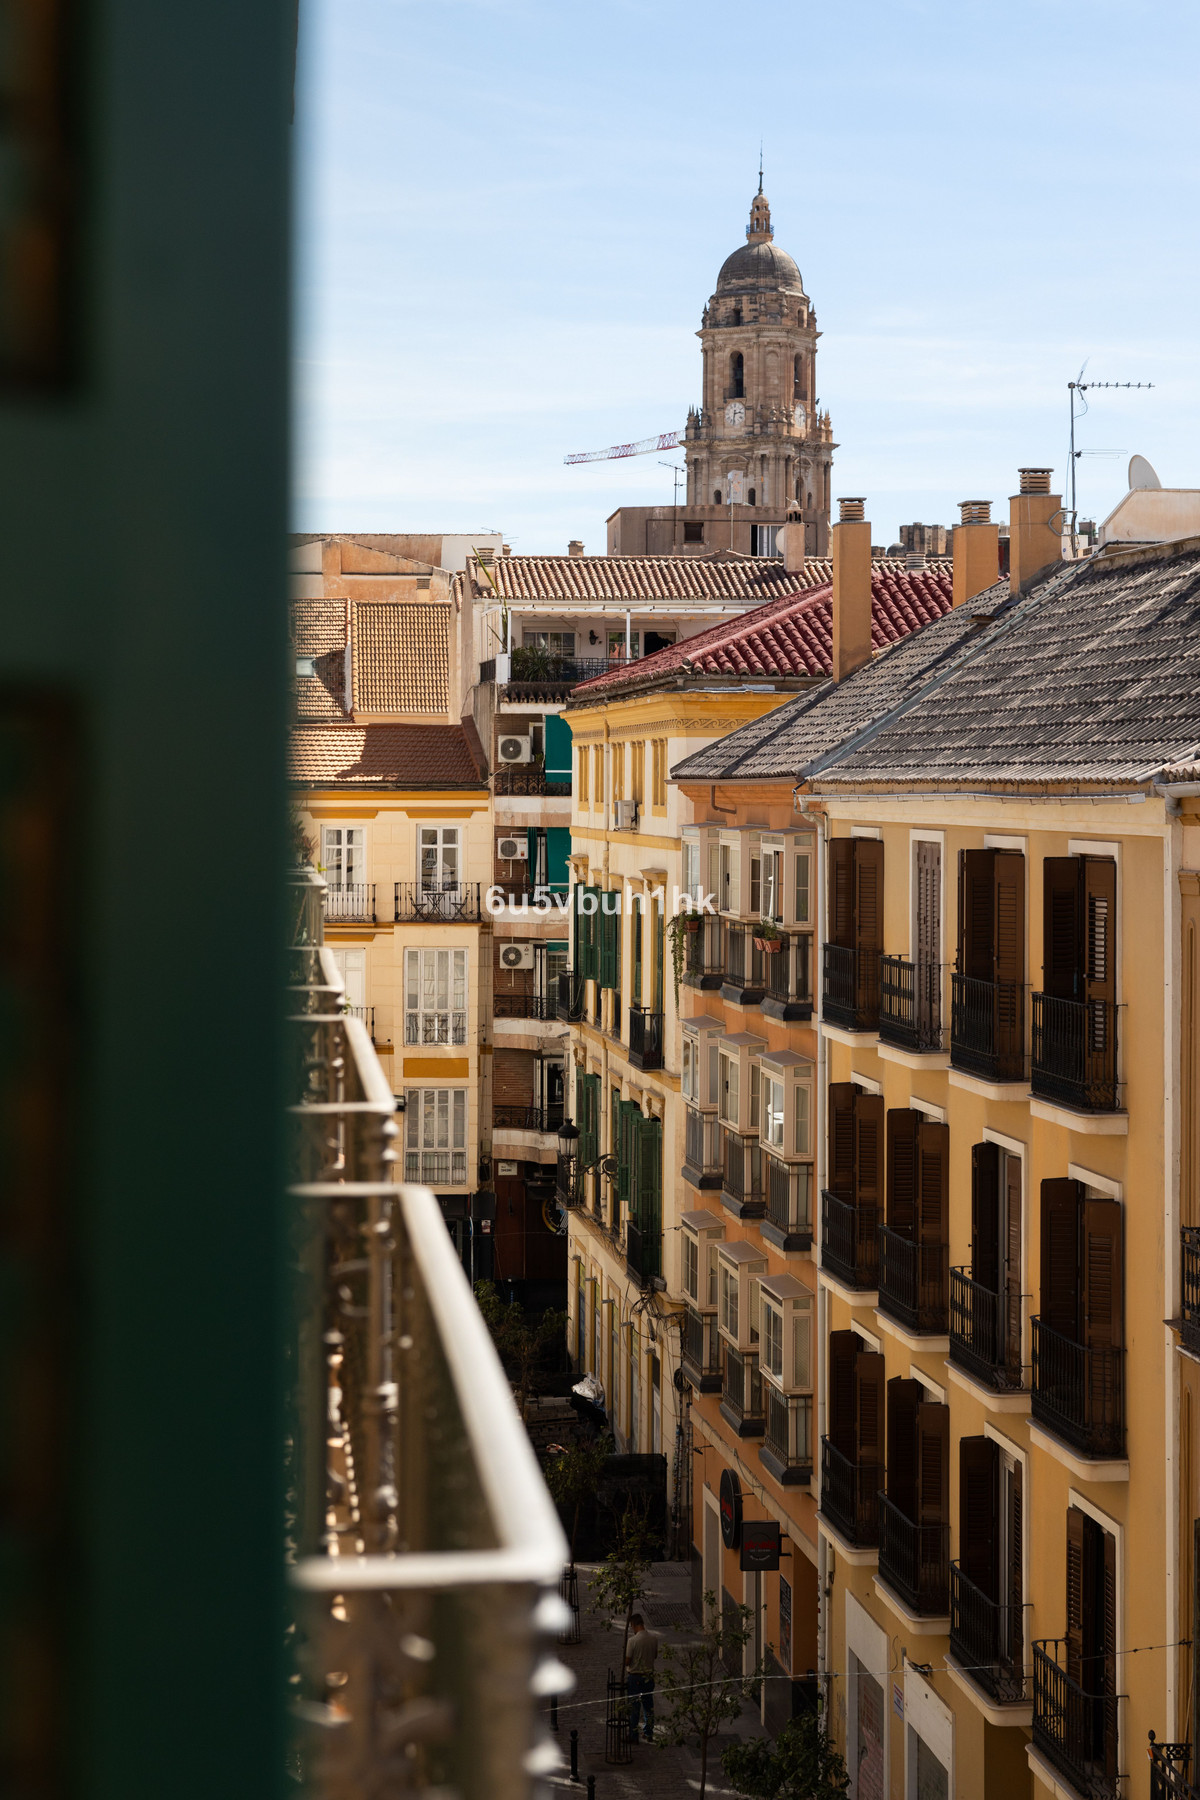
(628, 637)
(712, 801)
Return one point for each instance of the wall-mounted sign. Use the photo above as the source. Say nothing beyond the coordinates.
(760, 1545)
(731, 1509)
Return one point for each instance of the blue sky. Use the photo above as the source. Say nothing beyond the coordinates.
(510, 215)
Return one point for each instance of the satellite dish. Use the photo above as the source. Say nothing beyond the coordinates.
(1141, 474)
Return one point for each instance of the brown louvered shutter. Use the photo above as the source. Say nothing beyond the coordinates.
(1103, 1277)
(985, 1216)
(904, 1396)
(933, 1186)
(844, 1347)
(1061, 959)
(933, 1463)
(1061, 1202)
(841, 892)
(841, 1138)
(868, 919)
(976, 913)
(1012, 1262)
(1076, 1573)
(902, 1126)
(1016, 1530)
(1010, 916)
(978, 1504)
(1108, 1636)
(1099, 927)
(869, 1374)
(868, 1148)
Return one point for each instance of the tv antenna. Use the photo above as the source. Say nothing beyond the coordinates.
(678, 470)
(1081, 388)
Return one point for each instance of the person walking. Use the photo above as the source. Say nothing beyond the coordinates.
(640, 1653)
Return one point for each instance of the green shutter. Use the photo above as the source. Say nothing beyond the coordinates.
(610, 948)
(589, 939)
(558, 748)
(647, 1204)
(558, 848)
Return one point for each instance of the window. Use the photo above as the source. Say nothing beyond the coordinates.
(556, 643)
(693, 531)
(691, 867)
(771, 901)
(991, 915)
(802, 1345)
(598, 774)
(772, 1341)
(730, 896)
(752, 500)
(352, 966)
(716, 496)
(637, 772)
(798, 376)
(728, 1288)
(439, 848)
(617, 649)
(737, 373)
(618, 771)
(802, 863)
(802, 1134)
(691, 1266)
(755, 1095)
(990, 1527)
(996, 1248)
(727, 1099)
(436, 1143)
(689, 1078)
(435, 997)
(342, 855)
(659, 773)
(582, 784)
(773, 1117)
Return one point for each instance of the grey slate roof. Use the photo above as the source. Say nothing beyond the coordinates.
(1092, 679)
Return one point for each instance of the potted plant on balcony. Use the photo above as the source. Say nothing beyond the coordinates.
(677, 931)
(530, 663)
(768, 937)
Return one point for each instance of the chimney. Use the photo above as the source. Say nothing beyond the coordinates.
(851, 589)
(976, 551)
(575, 547)
(789, 541)
(914, 559)
(1035, 521)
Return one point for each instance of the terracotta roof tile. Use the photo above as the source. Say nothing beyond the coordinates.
(401, 657)
(578, 581)
(395, 756)
(318, 626)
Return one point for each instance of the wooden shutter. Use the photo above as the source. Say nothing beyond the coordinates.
(1060, 927)
(1077, 1522)
(978, 1512)
(609, 927)
(841, 1138)
(929, 903)
(933, 1463)
(1102, 1283)
(868, 894)
(868, 1149)
(904, 1397)
(1108, 1667)
(869, 1390)
(1016, 1541)
(1099, 929)
(650, 1176)
(1061, 1203)
(841, 892)
(902, 1127)
(976, 913)
(844, 1347)
(985, 1216)
(933, 1182)
(1010, 916)
(1013, 1290)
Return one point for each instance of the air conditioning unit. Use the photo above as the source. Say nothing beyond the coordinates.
(516, 956)
(515, 749)
(627, 813)
(513, 849)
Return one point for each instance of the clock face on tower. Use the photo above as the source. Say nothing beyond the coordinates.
(800, 417)
(735, 413)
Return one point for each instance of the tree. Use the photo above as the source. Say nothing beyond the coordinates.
(699, 1693)
(619, 1585)
(522, 1348)
(800, 1764)
(574, 1473)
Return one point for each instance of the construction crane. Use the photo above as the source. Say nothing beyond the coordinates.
(666, 440)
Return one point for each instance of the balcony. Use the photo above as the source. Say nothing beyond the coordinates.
(744, 981)
(1074, 1053)
(983, 1340)
(987, 1028)
(435, 1028)
(742, 1182)
(1169, 1772)
(451, 903)
(525, 781)
(850, 1496)
(910, 1004)
(643, 1253)
(523, 1006)
(436, 1168)
(988, 1640)
(914, 1560)
(912, 1282)
(569, 997)
(701, 1148)
(1189, 1277)
(702, 1351)
(742, 1393)
(850, 1241)
(703, 958)
(645, 1038)
(1073, 1728)
(850, 988)
(1078, 1393)
(789, 978)
(527, 1118)
(367, 1015)
(536, 675)
(788, 1223)
(351, 900)
(786, 1449)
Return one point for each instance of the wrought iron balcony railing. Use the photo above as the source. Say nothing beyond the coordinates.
(984, 1338)
(527, 1118)
(524, 781)
(435, 1028)
(850, 988)
(789, 978)
(987, 1028)
(703, 956)
(910, 1004)
(914, 1560)
(448, 903)
(643, 1252)
(988, 1639)
(850, 1240)
(1074, 1053)
(702, 1350)
(524, 1006)
(436, 1168)
(912, 1282)
(789, 1217)
(850, 1496)
(745, 979)
(701, 1148)
(367, 1015)
(570, 995)
(645, 1038)
(350, 900)
(1073, 1726)
(786, 1451)
(742, 1393)
(1169, 1771)
(743, 1187)
(1078, 1393)
(1189, 1280)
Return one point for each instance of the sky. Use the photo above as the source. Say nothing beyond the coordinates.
(510, 214)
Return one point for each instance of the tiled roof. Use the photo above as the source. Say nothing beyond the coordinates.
(401, 656)
(318, 626)
(393, 756)
(1181, 771)
(792, 636)
(319, 631)
(577, 582)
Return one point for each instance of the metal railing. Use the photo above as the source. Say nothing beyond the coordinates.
(569, 997)
(850, 1496)
(1189, 1281)
(788, 973)
(1169, 1771)
(645, 1038)
(436, 1168)
(1074, 1052)
(701, 1147)
(742, 1178)
(910, 1004)
(435, 1028)
(1076, 1729)
(524, 780)
(527, 1118)
(850, 1240)
(643, 1252)
(912, 1281)
(984, 1339)
(789, 1197)
(987, 1028)
(787, 1446)
(449, 903)
(350, 900)
(850, 987)
(742, 1392)
(487, 670)
(405, 1453)
(914, 1559)
(366, 1014)
(532, 668)
(703, 957)
(744, 961)
(702, 1350)
(523, 1006)
(1078, 1393)
(988, 1639)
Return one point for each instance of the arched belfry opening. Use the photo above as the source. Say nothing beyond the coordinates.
(737, 376)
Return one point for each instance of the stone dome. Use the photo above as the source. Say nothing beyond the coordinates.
(760, 265)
